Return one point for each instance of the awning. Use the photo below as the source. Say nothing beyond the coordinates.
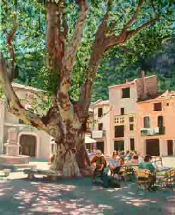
(89, 140)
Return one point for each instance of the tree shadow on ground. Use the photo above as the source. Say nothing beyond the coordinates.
(80, 196)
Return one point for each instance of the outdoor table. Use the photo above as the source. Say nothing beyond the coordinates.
(163, 170)
(161, 175)
(160, 172)
(130, 165)
(129, 168)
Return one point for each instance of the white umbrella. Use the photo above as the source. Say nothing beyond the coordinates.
(89, 140)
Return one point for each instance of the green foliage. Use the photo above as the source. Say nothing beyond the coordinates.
(158, 60)
(30, 42)
(1, 93)
(48, 80)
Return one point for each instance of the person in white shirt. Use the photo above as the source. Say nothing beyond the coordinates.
(113, 163)
(140, 158)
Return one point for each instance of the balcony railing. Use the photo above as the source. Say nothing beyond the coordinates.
(152, 131)
(98, 134)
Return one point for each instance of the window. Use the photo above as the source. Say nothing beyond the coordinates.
(170, 147)
(131, 119)
(21, 121)
(119, 145)
(100, 126)
(122, 110)
(167, 104)
(100, 112)
(126, 92)
(122, 120)
(119, 131)
(132, 145)
(157, 106)
(131, 127)
(160, 121)
(146, 122)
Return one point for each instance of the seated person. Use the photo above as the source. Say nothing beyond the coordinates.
(51, 159)
(140, 158)
(100, 164)
(156, 162)
(134, 160)
(116, 170)
(148, 165)
(128, 155)
(113, 163)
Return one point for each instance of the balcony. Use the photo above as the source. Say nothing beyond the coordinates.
(152, 131)
(98, 134)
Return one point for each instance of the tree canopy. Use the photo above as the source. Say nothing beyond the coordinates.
(59, 45)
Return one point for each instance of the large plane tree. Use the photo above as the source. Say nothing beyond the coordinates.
(77, 35)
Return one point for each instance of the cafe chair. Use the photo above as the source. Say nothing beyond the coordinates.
(142, 179)
(168, 180)
(157, 161)
(127, 173)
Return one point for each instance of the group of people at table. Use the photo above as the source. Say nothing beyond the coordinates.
(122, 159)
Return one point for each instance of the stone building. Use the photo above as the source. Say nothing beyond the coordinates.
(123, 117)
(101, 124)
(156, 125)
(139, 118)
(33, 142)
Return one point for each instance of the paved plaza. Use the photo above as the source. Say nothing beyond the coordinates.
(19, 195)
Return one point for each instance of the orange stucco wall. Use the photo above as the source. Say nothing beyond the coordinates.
(138, 105)
(168, 113)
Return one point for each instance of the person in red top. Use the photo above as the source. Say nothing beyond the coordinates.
(100, 163)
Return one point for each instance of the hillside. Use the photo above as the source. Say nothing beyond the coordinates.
(162, 64)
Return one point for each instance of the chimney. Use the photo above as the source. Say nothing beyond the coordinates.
(143, 74)
(144, 84)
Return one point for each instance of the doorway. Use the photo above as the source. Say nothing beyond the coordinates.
(132, 144)
(119, 145)
(152, 147)
(100, 146)
(27, 145)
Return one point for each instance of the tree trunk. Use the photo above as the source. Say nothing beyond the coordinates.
(71, 157)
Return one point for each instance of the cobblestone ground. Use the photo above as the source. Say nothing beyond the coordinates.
(20, 196)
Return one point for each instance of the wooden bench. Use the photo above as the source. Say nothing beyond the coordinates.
(32, 172)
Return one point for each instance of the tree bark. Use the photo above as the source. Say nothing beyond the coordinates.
(71, 156)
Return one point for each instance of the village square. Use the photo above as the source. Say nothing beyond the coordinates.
(87, 107)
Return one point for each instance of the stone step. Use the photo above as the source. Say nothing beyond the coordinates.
(15, 167)
(40, 172)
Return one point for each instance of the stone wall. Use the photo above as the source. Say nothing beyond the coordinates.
(140, 90)
(150, 87)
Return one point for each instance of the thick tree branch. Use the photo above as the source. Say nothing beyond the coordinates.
(70, 52)
(14, 104)
(133, 32)
(101, 45)
(98, 50)
(55, 43)
(65, 25)
(123, 37)
(134, 17)
(66, 107)
(11, 50)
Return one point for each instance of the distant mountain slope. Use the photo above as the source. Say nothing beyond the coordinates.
(161, 64)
